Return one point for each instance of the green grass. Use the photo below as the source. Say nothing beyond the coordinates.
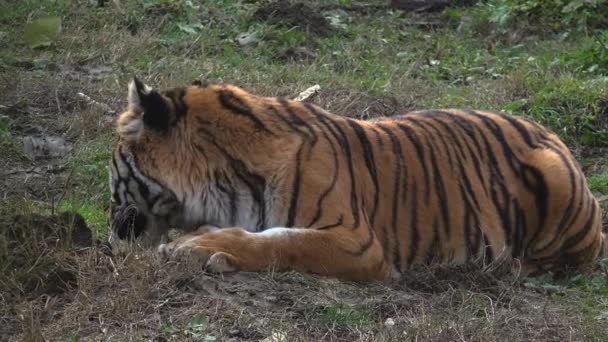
(585, 293)
(345, 316)
(93, 213)
(89, 164)
(599, 182)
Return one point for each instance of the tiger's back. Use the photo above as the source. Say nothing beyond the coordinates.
(354, 199)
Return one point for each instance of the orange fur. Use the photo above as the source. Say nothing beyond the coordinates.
(362, 199)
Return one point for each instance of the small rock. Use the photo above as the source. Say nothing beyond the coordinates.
(271, 299)
(234, 332)
(45, 146)
(276, 336)
(389, 323)
(247, 39)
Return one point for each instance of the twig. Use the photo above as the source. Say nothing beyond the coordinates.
(107, 109)
(58, 104)
(308, 93)
(65, 187)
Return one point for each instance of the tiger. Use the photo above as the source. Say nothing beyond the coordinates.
(258, 183)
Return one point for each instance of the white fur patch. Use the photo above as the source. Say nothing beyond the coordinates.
(277, 231)
(133, 96)
(131, 125)
(132, 129)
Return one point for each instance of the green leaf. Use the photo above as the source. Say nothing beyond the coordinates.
(42, 31)
(198, 323)
(189, 28)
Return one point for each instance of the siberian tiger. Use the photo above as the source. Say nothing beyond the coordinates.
(285, 184)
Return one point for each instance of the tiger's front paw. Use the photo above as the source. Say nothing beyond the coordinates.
(184, 253)
(199, 252)
(220, 262)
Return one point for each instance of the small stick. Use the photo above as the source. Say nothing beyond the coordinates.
(107, 109)
(308, 93)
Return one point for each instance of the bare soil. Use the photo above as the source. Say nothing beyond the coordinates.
(295, 14)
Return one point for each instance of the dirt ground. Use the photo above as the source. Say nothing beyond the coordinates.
(87, 291)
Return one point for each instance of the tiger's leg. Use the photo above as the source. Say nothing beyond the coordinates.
(346, 253)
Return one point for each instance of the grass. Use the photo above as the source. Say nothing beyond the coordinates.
(345, 316)
(89, 164)
(599, 182)
(549, 65)
(11, 150)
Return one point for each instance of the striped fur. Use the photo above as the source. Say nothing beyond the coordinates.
(361, 199)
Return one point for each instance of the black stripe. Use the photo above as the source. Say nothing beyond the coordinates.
(532, 178)
(238, 106)
(176, 96)
(333, 181)
(294, 118)
(295, 191)
(438, 117)
(441, 192)
(497, 189)
(368, 157)
(142, 188)
(474, 153)
(521, 129)
(471, 233)
(253, 181)
(534, 181)
(413, 236)
(427, 127)
(291, 213)
(488, 255)
(398, 153)
(580, 236)
(116, 183)
(433, 254)
(329, 226)
(412, 137)
(570, 214)
(224, 186)
(338, 133)
(366, 244)
(520, 231)
(498, 134)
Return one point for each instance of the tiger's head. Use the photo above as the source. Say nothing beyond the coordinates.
(142, 205)
(183, 154)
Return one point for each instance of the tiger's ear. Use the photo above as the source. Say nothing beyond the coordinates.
(147, 109)
(138, 92)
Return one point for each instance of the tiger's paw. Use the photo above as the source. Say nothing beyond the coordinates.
(193, 252)
(220, 262)
(184, 254)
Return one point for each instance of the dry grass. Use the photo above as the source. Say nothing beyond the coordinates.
(64, 290)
